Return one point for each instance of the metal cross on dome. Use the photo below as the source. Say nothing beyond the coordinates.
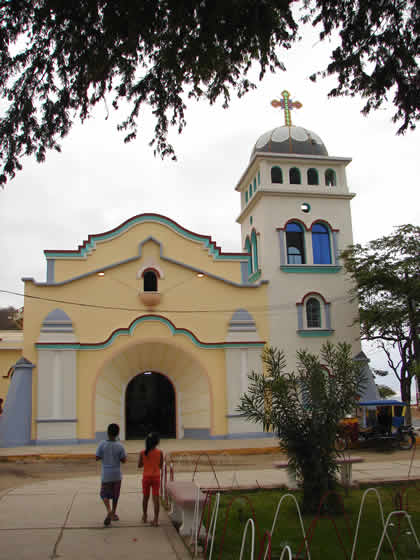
(287, 104)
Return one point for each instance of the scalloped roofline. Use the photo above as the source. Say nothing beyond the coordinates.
(90, 243)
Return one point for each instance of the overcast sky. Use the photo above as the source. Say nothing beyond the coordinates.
(98, 181)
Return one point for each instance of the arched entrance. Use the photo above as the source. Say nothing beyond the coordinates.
(185, 374)
(150, 406)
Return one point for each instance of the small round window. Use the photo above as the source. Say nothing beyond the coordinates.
(305, 207)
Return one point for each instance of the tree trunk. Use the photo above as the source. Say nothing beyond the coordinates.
(405, 386)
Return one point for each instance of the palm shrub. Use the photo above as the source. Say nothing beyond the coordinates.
(304, 409)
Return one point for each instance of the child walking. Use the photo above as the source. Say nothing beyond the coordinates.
(151, 459)
(112, 453)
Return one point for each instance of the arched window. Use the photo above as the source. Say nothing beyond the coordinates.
(294, 176)
(321, 244)
(295, 243)
(313, 313)
(246, 197)
(254, 250)
(255, 184)
(276, 175)
(150, 281)
(313, 178)
(330, 178)
(248, 249)
(250, 190)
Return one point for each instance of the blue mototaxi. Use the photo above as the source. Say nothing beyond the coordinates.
(385, 420)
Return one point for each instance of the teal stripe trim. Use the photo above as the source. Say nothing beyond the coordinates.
(310, 269)
(129, 331)
(315, 333)
(90, 244)
(254, 277)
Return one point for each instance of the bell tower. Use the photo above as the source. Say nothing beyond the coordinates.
(295, 220)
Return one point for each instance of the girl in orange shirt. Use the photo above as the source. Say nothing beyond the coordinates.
(152, 461)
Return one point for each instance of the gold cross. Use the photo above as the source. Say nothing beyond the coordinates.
(287, 104)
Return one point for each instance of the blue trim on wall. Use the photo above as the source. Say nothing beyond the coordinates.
(315, 333)
(50, 271)
(54, 420)
(247, 435)
(255, 276)
(15, 422)
(69, 441)
(129, 331)
(204, 433)
(310, 268)
(197, 433)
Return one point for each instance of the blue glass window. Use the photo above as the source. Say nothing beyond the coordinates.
(250, 191)
(295, 243)
(313, 313)
(276, 175)
(313, 178)
(246, 197)
(294, 176)
(321, 244)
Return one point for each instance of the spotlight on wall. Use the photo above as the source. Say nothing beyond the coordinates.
(200, 275)
(101, 273)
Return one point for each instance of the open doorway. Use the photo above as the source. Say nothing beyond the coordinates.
(150, 406)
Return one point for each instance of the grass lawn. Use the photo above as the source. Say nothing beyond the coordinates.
(331, 538)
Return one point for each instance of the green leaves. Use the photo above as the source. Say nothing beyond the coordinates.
(386, 273)
(304, 409)
(58, 60)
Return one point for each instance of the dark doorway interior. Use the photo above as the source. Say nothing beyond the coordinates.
(149, 406)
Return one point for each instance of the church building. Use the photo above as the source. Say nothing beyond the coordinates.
(155, 327)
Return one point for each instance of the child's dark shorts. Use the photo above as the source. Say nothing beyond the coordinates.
(110, 490)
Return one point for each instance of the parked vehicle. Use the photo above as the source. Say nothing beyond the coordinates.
(379, 420)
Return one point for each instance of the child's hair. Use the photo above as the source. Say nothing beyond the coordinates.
(152, 440)
(113, 430)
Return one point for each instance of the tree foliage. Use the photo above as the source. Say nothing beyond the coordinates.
(386, 272)
(304, 409)
(385, 392)
(59, 59)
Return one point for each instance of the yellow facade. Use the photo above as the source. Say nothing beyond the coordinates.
(184, 336)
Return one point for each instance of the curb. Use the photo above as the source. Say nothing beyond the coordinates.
(238, 451)
(83, 456)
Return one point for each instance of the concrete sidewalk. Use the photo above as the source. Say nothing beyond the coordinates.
(64, 518)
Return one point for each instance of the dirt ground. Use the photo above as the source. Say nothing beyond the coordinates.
(17, 474)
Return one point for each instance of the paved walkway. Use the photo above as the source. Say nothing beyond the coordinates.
(64, 518)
